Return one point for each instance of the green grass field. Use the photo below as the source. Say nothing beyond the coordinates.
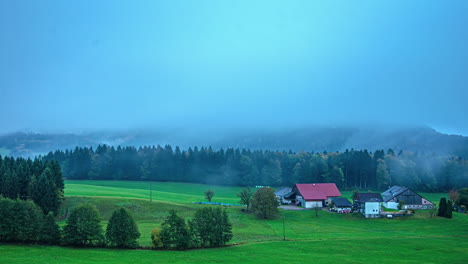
(329, 238)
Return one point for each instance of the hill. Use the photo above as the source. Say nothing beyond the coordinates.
(312, 139)
(328, 238)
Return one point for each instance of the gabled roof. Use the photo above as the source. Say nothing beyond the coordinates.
(341, 202)
(395, 190)
(317, 191)
(283, 191)
(366, 197)
(392, 192)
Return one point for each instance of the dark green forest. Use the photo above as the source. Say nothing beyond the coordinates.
(351, 169)
(37, 180)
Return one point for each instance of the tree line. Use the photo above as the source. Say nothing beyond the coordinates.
(24, 222)
(351, 169)
(38, 180)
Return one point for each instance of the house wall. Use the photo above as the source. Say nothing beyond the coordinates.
(312, 204)
(391, 205)
(372, 208)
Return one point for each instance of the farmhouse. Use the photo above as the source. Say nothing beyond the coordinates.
(310, 195)
(281, 192)
(409, 199)
(368, 204)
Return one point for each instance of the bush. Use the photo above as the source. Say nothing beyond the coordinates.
(156, 241)
(122, 231)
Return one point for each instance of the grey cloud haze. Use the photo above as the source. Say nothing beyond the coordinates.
(94, 65)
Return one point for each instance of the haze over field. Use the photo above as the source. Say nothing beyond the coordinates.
(112, 65)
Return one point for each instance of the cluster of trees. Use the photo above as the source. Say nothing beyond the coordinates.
(349, 170)
(83, 228)
(38, 180)
(23, 221)
(209, 227)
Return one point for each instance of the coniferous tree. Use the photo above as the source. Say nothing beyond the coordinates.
(442, 207)
(45, 194)
(50, 231)
(122, 231)
(449, 209)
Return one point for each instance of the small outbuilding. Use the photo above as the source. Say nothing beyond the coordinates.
(281, 193)
(342, 205)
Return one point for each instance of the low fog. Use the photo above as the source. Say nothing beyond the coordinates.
(204, 66)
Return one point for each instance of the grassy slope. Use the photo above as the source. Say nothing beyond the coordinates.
(327, 238)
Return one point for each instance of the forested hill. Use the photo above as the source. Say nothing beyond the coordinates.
(351, 169)
(316, 139)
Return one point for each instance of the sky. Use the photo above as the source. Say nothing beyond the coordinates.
(91, 65)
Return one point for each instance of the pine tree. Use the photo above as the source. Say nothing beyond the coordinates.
(45, 194)
(122, 231)
(442, 207)
(449, 209)
(83, 227)
(50, 231)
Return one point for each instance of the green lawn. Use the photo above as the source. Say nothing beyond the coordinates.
(328, 238)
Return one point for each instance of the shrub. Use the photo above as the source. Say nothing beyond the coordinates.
(156, 241)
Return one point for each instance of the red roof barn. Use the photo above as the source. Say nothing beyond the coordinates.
(311, 195)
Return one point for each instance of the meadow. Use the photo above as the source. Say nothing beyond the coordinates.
(328, 238)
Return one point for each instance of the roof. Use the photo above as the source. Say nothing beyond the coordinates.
(341, 202)
(283, 191)
(318, 191)
(392, 192)
(395, 190)
(366, 197)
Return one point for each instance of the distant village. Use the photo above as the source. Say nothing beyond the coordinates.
(400, 200)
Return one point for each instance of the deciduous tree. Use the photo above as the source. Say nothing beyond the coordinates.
(245, 197)
(211, 227)
(209, 194)
(122, 231)
(174, 232)
(83, 227)
(264, 203)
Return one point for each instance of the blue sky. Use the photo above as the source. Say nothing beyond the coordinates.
(93, 65)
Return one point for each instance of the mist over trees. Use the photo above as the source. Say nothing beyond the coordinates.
(350, 169)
